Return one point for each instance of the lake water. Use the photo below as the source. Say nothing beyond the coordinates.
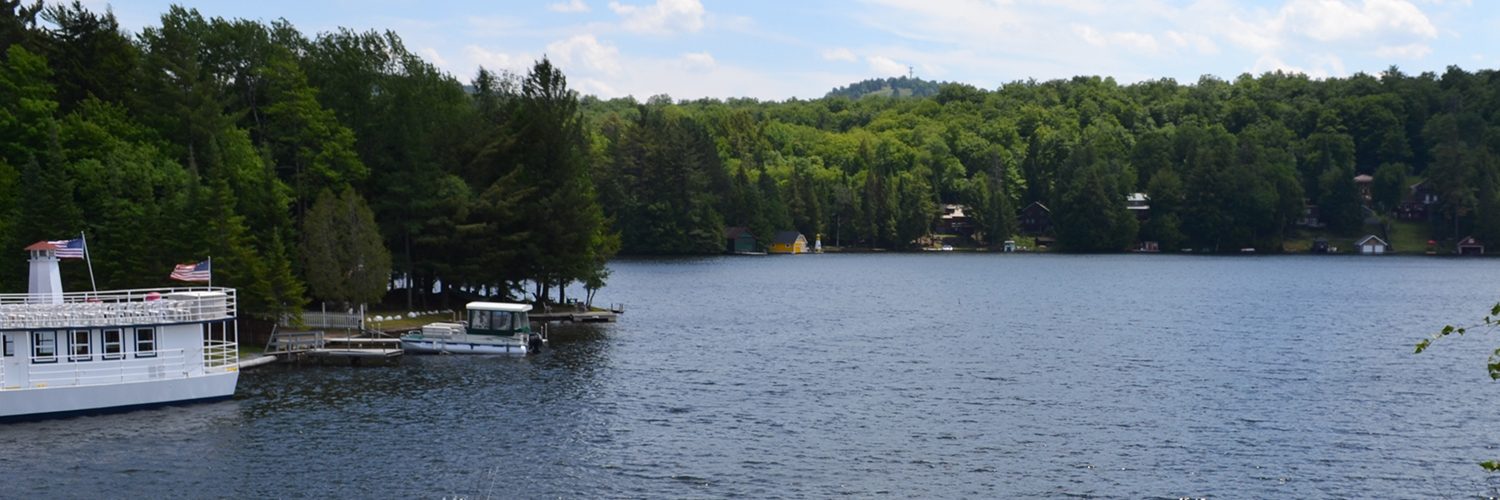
(932, 375)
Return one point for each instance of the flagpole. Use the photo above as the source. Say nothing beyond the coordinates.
(88, 260)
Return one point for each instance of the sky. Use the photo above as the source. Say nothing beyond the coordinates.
(775, 50)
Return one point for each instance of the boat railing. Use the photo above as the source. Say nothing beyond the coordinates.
(52, 371)
(118, 307)
(220, 353)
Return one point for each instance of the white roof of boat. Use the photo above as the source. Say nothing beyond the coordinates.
(498, 306)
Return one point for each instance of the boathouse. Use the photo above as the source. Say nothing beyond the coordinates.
(789, 242)
(1372, 245)
(1470, 246)
(739, 240)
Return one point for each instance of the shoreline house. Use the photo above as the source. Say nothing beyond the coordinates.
(1372, 245)
(955, 222)
(739, 240)
(1470, 246)
(1036, 219)
(1139, 204)
(1418, 203)
(788, 242)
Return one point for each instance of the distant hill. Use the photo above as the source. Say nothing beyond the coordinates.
(896, 87)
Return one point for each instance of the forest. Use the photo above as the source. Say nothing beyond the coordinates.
(342, 167)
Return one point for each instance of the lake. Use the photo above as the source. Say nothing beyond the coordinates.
(900, 375)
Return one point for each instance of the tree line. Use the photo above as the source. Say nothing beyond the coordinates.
(1227, 165)
(341, 166)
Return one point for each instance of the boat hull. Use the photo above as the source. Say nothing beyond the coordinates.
(454, 346)
(50, 402)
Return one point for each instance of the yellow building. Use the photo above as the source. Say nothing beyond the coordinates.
(789, 242)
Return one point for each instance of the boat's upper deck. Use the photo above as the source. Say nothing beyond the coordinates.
(22, 311)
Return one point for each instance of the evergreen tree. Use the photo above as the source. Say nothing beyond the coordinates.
(346, 259)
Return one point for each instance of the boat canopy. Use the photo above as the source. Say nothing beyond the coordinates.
(498, 318)
(498, 306)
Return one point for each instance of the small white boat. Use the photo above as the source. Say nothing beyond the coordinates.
(90, 352)
(489, 328)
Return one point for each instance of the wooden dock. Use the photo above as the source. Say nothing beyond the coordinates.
(578, 314)
(316, 346)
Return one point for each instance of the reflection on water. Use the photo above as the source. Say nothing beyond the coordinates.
(865, 375)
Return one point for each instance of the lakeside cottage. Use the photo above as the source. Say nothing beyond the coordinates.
(739, 240)
(1419, 200)
(789, 242)
(1036, 219)
(1372, 245)
(1470, 246)
(954, 221)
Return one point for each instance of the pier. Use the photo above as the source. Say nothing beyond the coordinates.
(318, 347)
(578, 313)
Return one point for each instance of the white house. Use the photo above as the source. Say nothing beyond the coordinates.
(1372, 245)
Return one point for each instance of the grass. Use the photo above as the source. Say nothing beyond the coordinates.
(407, 323)
(1409, 237)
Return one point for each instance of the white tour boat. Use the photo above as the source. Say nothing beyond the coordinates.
(489, 328)
(72, 353)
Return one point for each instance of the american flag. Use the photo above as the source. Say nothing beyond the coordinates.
(69, 249)
(193, 272)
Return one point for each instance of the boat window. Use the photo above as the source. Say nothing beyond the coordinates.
(78, 346)
(145, 342)
(10, 346)
(479, 320)
(113, 345)
(502, 321)
(43, 347)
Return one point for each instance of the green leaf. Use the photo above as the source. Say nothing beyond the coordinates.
(1447, 329)
(1422, 346)
(1495, 311)
(1490, 465)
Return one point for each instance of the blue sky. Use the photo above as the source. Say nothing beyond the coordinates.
(778, 49)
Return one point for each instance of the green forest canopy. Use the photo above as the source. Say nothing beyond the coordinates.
(210, 136)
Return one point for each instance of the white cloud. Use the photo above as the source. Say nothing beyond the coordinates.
(1323, 66)
(587, 51)
(480, 56)
(568, 7)
(885, 66)
(665, 17)
(1334, 20)
(594, 87)
(1331, 21)
(432, 56)
(839, 54)
(699, 61)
